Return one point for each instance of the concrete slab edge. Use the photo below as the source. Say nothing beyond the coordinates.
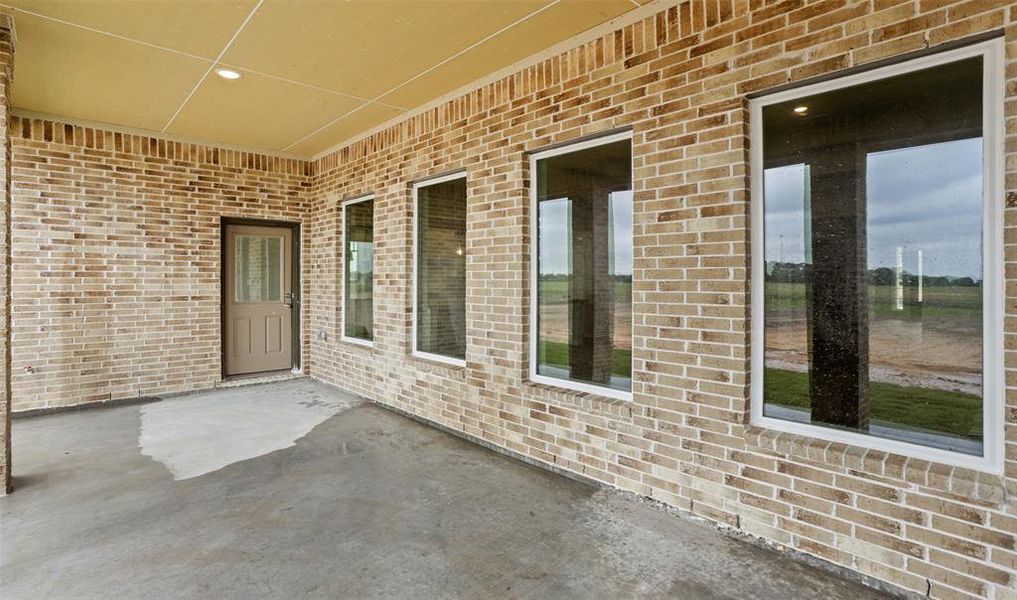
(225, 384)
(53, 410)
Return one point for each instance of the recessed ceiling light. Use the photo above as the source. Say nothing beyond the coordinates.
(801, 110)
(227, 74)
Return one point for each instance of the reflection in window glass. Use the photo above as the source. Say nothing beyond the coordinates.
(441, 269)
(257, 273)
(873, 258)
(584, 269)
(359, 300)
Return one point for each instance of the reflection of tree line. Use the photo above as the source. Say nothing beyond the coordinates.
(784, 272)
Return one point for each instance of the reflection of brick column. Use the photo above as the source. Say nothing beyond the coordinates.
(442, 273)
(838, 290)
(603, 286)
(257, 247)
(6, 74)
(591, 310)
(251, 268)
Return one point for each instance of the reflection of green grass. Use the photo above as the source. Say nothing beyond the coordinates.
(937, 301)
(556, 354)
(953, 413)
(557, 291)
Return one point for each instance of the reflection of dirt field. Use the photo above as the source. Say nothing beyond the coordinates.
(554, 320)
(909, 353)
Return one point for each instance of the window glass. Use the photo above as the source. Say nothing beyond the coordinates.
(359, 259)
(873, 258)
(584, 269)
(257, 268)
(441, 269)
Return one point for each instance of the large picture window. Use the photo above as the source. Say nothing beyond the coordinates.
(877, 253)
(439, 310)
(582, 267)
(358, 300)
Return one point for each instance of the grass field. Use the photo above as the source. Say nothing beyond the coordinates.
(945, 301)
(557, 291)
(952, 413)
(921, 408)
(556, 354)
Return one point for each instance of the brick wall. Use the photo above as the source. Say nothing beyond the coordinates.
(679, 80)
(6, 72)
(116, 270)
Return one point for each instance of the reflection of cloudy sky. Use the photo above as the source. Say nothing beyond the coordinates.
(925, 198)
(784, 190)
(555, 236)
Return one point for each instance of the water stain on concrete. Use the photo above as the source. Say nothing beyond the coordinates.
(198, 434)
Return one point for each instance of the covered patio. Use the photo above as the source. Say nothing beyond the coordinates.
(508, 298)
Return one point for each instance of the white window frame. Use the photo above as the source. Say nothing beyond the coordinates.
(448, 360)
(993, 388)
(342, 318)
(577, 386)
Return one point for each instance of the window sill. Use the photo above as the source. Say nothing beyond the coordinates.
(439, 360)
(584, 388)
(905, 471)
(589, 402)
(357, 342)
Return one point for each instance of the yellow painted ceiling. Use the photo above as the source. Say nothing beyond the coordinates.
(539, 31)
(314, 72)
(344, 127)
(213, 111)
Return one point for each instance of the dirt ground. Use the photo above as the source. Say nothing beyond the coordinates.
(909, 353)
(554, 321)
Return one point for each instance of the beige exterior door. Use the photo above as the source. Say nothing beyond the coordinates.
(259, 299)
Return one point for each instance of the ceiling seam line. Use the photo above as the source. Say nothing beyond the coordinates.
(108, 33)
(131, 40)
(329, 124)
(428, 70)
(214, 63)
(467, 49)
(309, 85)
(619, 22)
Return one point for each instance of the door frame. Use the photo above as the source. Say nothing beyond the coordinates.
(296, 287)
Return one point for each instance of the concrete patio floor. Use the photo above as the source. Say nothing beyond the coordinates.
(207, 496)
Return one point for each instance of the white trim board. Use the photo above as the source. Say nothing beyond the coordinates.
(534, 252)
(448, 360)
(992, 52)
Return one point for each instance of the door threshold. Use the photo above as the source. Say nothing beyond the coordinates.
(262, 377)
